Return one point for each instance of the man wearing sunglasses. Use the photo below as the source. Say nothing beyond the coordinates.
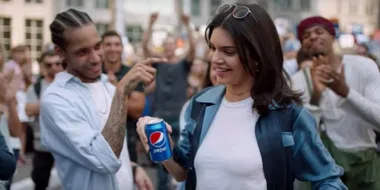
(50, 65)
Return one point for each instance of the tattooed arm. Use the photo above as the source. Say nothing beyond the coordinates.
(114, 131)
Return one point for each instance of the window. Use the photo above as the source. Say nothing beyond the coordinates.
(287, 4)
(352, 7)
(103, 4)
(370, 7)
(134, 34)
(33, 1)
(74, 3)
(305, 4)
(5, 35)
(195, 7)
(34, 36)
(214, 6)
(102, 27)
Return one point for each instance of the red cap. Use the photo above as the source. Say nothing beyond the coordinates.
(312, 21)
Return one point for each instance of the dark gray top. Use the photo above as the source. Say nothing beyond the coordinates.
(171, 89)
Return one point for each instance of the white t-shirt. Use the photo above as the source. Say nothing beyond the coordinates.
(103, 100)
(21, 102)
(291, 66)
(349, 122)
(229, 156)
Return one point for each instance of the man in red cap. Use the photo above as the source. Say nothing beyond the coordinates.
(343, 94)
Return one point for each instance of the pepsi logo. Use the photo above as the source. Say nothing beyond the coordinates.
(157, 139)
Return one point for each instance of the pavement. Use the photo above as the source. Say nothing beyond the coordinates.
(22, 180)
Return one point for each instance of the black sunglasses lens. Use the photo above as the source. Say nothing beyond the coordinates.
(241, 12)
(223, 8)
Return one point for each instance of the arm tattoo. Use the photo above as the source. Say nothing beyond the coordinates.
(114, 131)
(129, 87)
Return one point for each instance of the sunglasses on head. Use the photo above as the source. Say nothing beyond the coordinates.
(238, 12)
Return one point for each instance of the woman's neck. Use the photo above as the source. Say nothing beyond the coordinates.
(235, 93)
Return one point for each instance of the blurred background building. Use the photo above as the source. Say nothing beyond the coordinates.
(27, 21)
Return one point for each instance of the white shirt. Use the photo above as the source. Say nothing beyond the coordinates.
(229, 156)
(103, 101)
(349, 122)
(291, 66)
(21, 102)
(71, 130)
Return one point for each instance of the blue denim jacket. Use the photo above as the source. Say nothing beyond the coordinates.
(309, 160)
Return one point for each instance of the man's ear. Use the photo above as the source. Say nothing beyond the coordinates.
(60, 52)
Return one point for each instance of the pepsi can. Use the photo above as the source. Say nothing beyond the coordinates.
(158, 140)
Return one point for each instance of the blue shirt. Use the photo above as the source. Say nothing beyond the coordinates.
(71, 131)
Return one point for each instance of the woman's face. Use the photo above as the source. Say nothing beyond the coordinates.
(224, 57)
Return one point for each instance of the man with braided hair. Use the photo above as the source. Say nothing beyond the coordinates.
(83, 116)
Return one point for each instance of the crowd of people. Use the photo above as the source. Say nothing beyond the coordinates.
(255, 110)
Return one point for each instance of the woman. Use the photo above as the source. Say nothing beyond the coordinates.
(249, 132)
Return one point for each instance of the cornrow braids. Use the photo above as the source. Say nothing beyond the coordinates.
(69, 19)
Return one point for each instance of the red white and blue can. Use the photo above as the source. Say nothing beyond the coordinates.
(158, 140)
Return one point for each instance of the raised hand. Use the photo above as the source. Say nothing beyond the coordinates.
(334, 80)
(153, 18)
(185, 19)
(316, 74)
(141, 72)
